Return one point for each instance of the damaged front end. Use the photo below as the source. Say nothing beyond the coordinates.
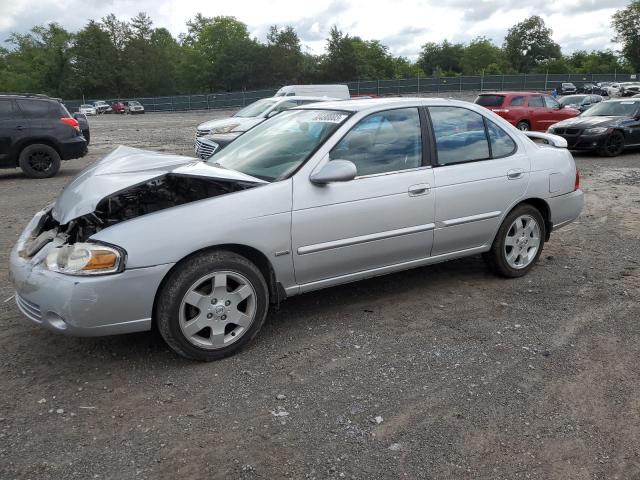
(154, 195)
(127, 184)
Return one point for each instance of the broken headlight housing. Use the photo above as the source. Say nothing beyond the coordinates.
(85, 259)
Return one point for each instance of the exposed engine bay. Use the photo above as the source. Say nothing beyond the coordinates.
(158, 194)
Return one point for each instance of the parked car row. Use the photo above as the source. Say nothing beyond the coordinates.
(100, 107)
(586, 122)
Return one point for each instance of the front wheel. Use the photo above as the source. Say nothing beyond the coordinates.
(613, 145)
(212, 305)
(518, 244)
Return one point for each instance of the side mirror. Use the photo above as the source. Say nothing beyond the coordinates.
(335, 171)
(560, 106)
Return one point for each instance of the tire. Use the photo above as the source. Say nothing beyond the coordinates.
(613, 145)
(39, 161)
(503, 257)
(207, 331)
(523, 125)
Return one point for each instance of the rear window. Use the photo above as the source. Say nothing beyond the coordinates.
(490, 100)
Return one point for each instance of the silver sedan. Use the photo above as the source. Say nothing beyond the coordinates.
(314, 197)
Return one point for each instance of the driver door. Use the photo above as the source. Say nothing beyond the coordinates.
(383, 217)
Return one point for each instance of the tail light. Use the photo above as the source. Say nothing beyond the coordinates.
(576, 186)
(72, 122)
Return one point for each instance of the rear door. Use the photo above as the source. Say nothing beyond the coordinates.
(13, 128)
(479, 175)
(537, 113)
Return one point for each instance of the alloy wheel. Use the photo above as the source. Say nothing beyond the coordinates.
(522, 242)
(217, 310)
(40, 161)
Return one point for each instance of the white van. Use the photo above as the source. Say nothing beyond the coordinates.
(340, 92)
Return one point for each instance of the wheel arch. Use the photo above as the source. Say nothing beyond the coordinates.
(258, 258)
(20, 146)
(543, 207)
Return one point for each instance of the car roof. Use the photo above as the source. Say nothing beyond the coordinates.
(623, 99)
(303, 97)
(514, 93)
(388, 102)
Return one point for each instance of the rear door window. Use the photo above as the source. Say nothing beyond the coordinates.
(551, 103)
(34, 108)
(7, 110)
(502, 145)
(536, 102)
(490, 100)
(460, 135)
(517, 101)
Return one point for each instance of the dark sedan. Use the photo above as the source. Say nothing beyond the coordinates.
(608, 127)
(580, 102)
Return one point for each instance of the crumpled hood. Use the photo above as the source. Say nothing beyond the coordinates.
(126, 167)
(589, 122)
(243, 124)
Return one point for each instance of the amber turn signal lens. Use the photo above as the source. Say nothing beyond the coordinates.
(101, 260)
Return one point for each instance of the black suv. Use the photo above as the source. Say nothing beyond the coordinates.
(36, 132)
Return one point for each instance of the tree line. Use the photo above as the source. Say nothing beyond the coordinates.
(115, 58)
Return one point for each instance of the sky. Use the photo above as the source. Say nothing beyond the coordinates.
(402, 25)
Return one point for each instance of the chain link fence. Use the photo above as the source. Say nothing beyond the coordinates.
(380, 88)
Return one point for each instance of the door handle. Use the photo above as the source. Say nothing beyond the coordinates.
(20, 127)
(419, 189)
(515, 173)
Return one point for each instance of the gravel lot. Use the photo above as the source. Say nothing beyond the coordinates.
(439, 372)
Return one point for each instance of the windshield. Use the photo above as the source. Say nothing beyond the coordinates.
(134, 104)
(86, 106)
(276, 148)
(572, 99)
(256, 108)
(613, 109)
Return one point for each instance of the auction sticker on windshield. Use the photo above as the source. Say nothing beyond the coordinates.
(329, 117)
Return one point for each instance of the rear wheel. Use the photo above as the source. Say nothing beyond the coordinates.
(523, 125)
(39, 161)
(518, 244)
(212, 305)
(613, 145)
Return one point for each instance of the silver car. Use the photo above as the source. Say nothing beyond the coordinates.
(314, 197)
(213, 135)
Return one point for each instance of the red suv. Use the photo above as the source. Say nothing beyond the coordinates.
(527, 110)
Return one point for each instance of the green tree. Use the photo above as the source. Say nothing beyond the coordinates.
(40, 60)
(445, 58)
(626, 24)
(284, 54)
(482, 56)
(529, 43)
(95, 60)
(339, 63)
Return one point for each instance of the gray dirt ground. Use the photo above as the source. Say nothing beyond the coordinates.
(472, 376)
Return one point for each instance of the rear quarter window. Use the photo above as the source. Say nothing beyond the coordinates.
(490, 100)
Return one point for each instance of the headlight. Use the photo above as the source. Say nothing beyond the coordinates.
(225, 129)
(551, 130)
(85, 259)
(595, 131)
